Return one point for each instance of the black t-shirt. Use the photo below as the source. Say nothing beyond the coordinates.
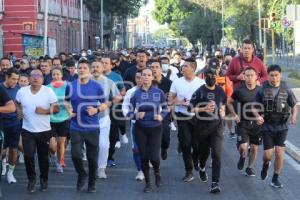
(129, 77)
(165, 85)
(244, 99)
(202, 96)
(4, 98)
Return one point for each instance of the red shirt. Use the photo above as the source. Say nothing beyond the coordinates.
(234, 69)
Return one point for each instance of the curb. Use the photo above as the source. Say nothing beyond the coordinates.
(293, 151)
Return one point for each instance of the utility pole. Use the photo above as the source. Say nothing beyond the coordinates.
(101, 29)
(46, 27)
(81, 23)
(222, 19)
(259, 19)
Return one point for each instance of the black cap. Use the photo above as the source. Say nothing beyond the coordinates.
(214, 63)
(210, 70)
(70, 63)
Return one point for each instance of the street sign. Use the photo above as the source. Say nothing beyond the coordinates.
(286, 22)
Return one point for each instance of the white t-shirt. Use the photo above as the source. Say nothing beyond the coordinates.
(33, 122)
(184, 90)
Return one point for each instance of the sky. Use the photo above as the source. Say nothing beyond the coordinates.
(147, 9)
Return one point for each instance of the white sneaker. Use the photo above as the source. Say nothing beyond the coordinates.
(101, 173)
(4, 167)
(150, 165)
(59, 168)
(21, 158)
(10, 178)
(173, 127)
(84, 156)
(140, 176)
(118, 145)
(124, 139)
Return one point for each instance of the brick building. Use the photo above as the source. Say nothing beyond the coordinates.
(22, 27)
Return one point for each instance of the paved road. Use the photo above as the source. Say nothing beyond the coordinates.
(121, 183)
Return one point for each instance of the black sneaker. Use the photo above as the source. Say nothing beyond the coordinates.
(31, 186)
(81, 182)
(196, 164)
(179, 151)
(276, 184)
(241, 163)
(264, 171)
(44, 185)
(203, 175)
(249, 172)
(147, 188)
(158, 179)
(231, 135)
(188, 177)
(91, 187)
(164, 154)
(215, 188)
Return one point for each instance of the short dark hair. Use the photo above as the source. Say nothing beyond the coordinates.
(248, 41)
(142, 51)
(192, 62)
(11, 71)
(24, 75)
(164, 58)
(251, 68)
(272, 68)
(56, 58)
(84, 61)
(107, 56)
(4, 58)
(177, 54)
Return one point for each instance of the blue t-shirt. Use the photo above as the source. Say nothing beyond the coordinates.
(152, 102)
(82, 96)
(117, 79)
(11, 119)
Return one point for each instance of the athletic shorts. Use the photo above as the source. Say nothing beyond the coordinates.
(274, 138)
(11, 136)
(250, 136)
(60, 129)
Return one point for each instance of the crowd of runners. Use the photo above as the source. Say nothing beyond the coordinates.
(88, 101)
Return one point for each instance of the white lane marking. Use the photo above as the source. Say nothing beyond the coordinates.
(292, 162)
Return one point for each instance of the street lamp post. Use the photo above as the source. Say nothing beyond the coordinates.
(81, 22)
(46, 27)
(222, 19)
(101, 29)
(259, 19)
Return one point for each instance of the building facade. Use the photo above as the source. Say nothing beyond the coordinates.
(22, 26)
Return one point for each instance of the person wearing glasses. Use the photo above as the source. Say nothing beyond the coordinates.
(36, 103)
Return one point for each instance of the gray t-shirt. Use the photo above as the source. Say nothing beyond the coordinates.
(110, 90)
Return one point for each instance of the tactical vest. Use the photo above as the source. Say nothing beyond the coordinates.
(276, 108)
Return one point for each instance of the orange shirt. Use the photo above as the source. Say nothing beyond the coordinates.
(224, 82)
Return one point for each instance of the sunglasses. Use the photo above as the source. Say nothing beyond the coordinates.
(36, 76)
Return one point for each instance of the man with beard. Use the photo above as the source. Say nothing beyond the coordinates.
(5, 64)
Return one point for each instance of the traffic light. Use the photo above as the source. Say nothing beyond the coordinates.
(273, 20)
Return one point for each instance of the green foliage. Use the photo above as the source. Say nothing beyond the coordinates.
(162, 33)
(201, 19)
(119, 8)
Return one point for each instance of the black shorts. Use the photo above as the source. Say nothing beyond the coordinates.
(11, 136)
(250, 136)
(274, 138)
(60, 129)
